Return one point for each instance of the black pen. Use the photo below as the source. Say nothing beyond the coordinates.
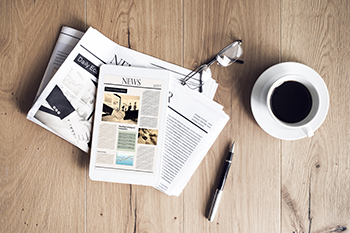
(217, 195)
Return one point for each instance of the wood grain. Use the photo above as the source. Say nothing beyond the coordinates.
(273, 186)
(42, 177)
(315, 171)
(252, 191)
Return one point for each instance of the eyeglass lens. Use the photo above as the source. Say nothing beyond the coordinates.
(230, 54)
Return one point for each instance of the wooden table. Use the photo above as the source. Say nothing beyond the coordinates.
(274, 185)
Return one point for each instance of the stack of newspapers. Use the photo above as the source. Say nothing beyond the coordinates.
(128, 110)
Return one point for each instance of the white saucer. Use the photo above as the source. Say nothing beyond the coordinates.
(259, 96)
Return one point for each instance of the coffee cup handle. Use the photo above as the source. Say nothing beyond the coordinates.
(308, 131)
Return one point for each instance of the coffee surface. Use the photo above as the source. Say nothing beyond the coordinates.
(291, 102)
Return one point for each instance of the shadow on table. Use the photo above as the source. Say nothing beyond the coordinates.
(83, 159)
(33, 71)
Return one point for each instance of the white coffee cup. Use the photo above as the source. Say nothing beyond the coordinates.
(303, 124)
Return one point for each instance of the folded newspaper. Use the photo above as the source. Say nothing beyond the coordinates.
(65, 106)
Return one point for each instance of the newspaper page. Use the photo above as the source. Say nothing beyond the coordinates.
(66, 41)
(66, 104)
(193, 123)
(129, 125)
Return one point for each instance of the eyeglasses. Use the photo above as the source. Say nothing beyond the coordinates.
(224, 58)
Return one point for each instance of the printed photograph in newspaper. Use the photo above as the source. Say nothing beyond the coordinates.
(120, 108)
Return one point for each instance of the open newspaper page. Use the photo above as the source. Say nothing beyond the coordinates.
(129, 125)
(193, 123)
(65, 106)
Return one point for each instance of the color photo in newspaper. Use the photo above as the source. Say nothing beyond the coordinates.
(129, 122)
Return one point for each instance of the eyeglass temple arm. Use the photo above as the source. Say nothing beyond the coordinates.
(238, 61)
(192, 73)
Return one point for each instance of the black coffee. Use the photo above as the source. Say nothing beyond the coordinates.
(291, 102)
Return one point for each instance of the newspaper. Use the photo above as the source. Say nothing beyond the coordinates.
(66, 107)
(192, 125)
(66, 104)
(129, 125)
(66, 41)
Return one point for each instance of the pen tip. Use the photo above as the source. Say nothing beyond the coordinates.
(232, 147)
